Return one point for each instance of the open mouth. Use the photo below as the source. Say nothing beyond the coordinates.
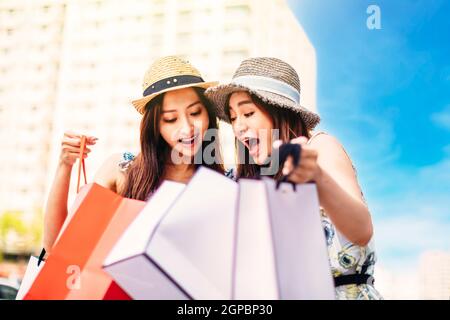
(252, 144)
(188, 142)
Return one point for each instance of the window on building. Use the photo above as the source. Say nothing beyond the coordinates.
(237, 12)
(185, 16)
(184, 39)
(158, 19)
(206, 12)
(157, 41)
(236, 34)
(235, 54)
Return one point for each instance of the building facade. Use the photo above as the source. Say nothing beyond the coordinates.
(76, 65)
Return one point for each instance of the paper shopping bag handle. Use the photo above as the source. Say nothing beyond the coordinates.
(81, 165)
(41, 256)
(285, 150)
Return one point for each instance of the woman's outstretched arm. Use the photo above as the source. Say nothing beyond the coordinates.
(326, 162)
(56, 207)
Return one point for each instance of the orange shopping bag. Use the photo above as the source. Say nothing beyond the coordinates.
(73, 270)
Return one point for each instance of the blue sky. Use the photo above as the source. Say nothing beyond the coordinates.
(385, 94)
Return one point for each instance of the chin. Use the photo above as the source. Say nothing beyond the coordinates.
(189, 153)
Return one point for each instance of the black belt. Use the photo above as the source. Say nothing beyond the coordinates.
(353, 279)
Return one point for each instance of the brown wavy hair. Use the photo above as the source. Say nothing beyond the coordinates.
(289, 124)
(146, 171)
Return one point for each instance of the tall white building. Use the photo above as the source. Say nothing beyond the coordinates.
(435, 275)
(77, 64)
(396, 283)
(31, 37)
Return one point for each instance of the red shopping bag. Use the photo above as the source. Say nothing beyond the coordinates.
(73, 270)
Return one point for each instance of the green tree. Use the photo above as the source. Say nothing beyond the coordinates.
(28, 233)
(10, 221)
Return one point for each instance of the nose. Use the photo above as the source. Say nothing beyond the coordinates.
(186, 127)
(239, 126)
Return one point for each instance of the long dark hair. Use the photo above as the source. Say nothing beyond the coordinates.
(289, 124)
(147, 170)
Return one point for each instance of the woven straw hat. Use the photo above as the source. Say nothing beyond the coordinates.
(167, 74)
(270, 79)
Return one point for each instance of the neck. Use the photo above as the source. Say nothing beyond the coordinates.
(180, 172)
(181, 167)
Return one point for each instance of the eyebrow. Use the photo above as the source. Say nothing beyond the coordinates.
(242, 103)
(245, 102)
(189, 106)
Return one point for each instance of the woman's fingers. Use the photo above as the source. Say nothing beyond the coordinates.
(300, 140)
(91, 140)
(76, 142)
(304, 170)
(288, 166)
(71, 134)
(73, 142)
(277, 143)
(74, 135)
(71, 147)
(76, 155)
(68, 148)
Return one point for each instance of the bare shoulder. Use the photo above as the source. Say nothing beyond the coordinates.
(109, 174)
(334, 159)
(331, 151)
(325, 142)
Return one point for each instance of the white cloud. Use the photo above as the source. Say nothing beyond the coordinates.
(442, 118)
(401, 239)
(417, 217)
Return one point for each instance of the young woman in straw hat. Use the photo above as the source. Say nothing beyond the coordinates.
(176, 116)
(264, 96)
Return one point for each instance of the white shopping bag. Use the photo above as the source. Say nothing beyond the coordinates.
(32, 271)
(281, 251)
(186, 250)
(127, 262)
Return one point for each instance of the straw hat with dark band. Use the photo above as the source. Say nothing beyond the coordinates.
(167, 74)
(270, 79)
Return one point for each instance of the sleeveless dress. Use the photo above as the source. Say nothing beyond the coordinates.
(348, 258)
(344, 257)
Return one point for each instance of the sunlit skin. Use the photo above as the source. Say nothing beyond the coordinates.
(184, 121)
(251, 125)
